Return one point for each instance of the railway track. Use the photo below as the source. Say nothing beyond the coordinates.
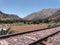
(36, 37)
(49, 40)
(53, 39)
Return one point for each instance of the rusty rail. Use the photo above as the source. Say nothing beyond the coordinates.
(14, 34)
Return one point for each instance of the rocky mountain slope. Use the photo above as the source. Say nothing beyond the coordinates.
(49, 13)
(55, 16)
(4, 16)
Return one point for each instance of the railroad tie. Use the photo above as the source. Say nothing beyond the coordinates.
(32, 38)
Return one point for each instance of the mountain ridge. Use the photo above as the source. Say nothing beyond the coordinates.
(43, 14)
(4, 16)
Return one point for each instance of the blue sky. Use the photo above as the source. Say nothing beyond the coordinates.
(24, 7)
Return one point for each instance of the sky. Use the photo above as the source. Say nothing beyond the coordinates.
(23, 8)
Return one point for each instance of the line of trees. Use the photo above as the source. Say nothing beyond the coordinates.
(9, 21)
(25, 21)
(36, 21)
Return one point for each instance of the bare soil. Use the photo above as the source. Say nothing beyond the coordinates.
(28, 27)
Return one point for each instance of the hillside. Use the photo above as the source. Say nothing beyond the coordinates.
(4, 16)
(44, 14)
(9, 18)
(55, 16)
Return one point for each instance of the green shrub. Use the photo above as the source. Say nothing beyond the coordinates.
(5, 32)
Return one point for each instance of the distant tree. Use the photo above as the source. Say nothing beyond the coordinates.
(46, 21)
(34, 22)
(24, 22)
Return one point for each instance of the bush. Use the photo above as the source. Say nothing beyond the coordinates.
(5, 31)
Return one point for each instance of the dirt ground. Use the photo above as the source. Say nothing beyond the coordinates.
(28, 27)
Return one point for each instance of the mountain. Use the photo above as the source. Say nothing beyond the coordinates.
(49, 13)
(55, 16)
(4, 16)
